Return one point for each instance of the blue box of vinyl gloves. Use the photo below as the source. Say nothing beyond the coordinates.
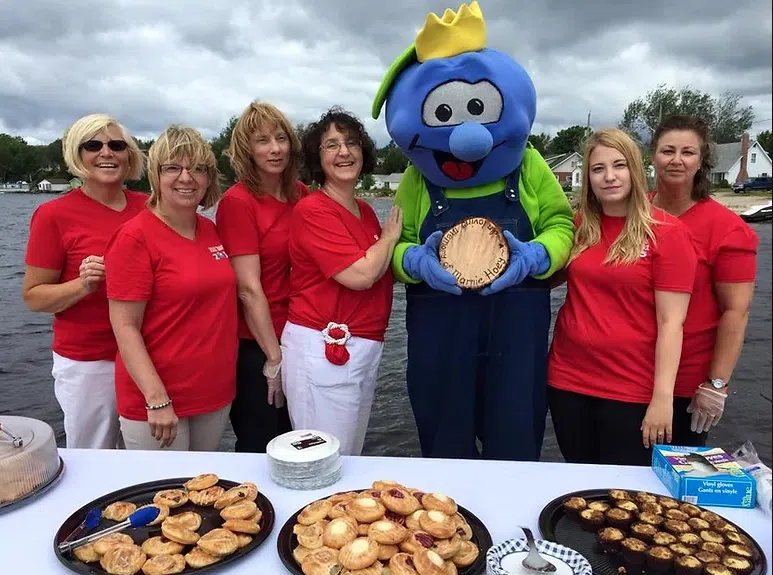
(706, 476)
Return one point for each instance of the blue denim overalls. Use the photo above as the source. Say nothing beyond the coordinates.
(477, 365)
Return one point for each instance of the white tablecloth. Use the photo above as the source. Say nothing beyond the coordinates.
(502, 494)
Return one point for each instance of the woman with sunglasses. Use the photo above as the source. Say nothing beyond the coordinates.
(65, 274)
(172, 296)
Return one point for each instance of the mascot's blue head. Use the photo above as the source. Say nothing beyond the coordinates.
(460, 112)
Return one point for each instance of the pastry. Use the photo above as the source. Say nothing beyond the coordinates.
(359, 553)
(188, 519)
(618, 495)
(602, 506)
(172, 498)
(376, 568)
(717, 569)
(313, 512)
(412, 521)
(310, 535)
(687, 565)
(659, 558)
(643, 497)
(691, 510)
(634, 550)
(342, 497)
(468, 553)
(388, 532)
(198, 558)
(366, 509)
(416, 540)
(712, 536)
(176, 532)
(690, 539)
(740, 550)
(119, 511)
(677, 515)
(300, 552)
(619, 518)
(628, 505)
(384, 484)
(400, 501)
(362, 529)
(610, 539)
(123, 560)
(698, 524)
(708, 516)
(735, 537)
(438, 502)
(655, 508)
(242, 539)
(395, 517)
(591, 520)
(163, 513)
(643, 531)
(739, 565)
(574, 505)
(428, 562)
(447, 548)
(102, 545)
(450, 568)
(218, 542)
(257, 516)
(340, 509)
(321, 562)
(206, 497)
(164, 565)
(238, 493)
(242, 510)
(664, 538)
(340, 531)
(463, 528)
(668, 503)
(676, 527)
(717, 548)
(707, 558)
(682, 549)
(160, 545)
(651, 518)
(200, 482)
(386, 552)
(438, 524)
(402, 564)
(86, 553)
(252, 489)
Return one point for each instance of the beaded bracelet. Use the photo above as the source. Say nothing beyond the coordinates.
(167, 403)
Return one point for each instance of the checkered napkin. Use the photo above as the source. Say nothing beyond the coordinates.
(495, 554)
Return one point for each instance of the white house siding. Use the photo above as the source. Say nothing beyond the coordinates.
(758, 163)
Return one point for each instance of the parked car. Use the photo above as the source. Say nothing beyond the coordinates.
(758, 184)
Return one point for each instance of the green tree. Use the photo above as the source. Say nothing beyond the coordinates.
(727, 120)
(391, 160)
(219, 146)
(367, 182)
(568, 140)
(766, 141)
(541, 142)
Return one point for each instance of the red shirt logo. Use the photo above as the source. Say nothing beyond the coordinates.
(218, 252)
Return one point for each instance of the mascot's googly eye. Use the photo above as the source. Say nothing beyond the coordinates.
(456, 102)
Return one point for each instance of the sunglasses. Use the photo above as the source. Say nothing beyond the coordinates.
(96, 145)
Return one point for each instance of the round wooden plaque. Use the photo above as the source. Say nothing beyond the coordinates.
(475, 251)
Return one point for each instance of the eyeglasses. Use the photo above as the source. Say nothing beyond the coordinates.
(334, 146)
(97, 145)
(175, 170)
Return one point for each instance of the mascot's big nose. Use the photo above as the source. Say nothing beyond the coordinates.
(470, 141)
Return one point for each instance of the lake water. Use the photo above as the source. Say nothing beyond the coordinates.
(26, 385)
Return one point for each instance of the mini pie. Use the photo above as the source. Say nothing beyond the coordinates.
(366, 509)
(339, 532)
(402, 564)
(198, 558)
(400, 501)
(468, 553)
(188, 519)
(206, 497)
(160, 545)
(164, 565)
(123, 560)
(313, 512)
(359, 553)
(200, 482)
(428, 562)
(239, 510)
(439, 502)
(102, 545)
(163, 512)
(172, 498)
(387, 532)
(219, 542)
(242, 526)
(119, 511)
(437, 524)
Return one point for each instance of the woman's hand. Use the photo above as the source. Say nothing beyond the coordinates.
(163, 425)
(393, 226)
(92, 271)
(656, 427)
(273, 373)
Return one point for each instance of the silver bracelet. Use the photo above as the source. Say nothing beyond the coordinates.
(166, 403)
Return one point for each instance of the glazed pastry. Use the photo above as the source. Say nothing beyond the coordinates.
(395, 517)
(450, 568)
(447, 548)
(339, 509)
(322, 561)
(314, 512)
(416, 540)
(400, 501)
(386, 552)
(300, 552)
(707, 558)
(359, 553)
(383, 485)
(123, 560)
(119, 510)
(387, 532)
(339, 532)
(200, 482)
(366, 509)
(428, 562)
(687, 565)
(362, 529)
(740, 565)
(402, 564)
(198, 558)
(102, 545)
(690, 509)
(463, 528)
(677, 515)
(164, 565)
(690, 539)
(86, 553)
(172, 498)
(206, 497)
(602, 506)
(412, 521)
(163, 513)
(628, 505)
(712, 536)
(375, 569)
(242, 539)
(310, 535)
(659, 558)
(574, 505)
(240, 510)
(717, 548)
(257, 516)
(252, 489)
(438, 524)
(438, 502)
(242, 526)
(342, 497)
(188, 519)
(682, 549)
(468, 553)
(643, 531)
(161, 546)
(176, 532)
(238, 493)
(717, 569)
(591, 520)
(610, 539)
(664, 538)
(634, 550)
(218, 542)
(651, 519)
(619, 518)
(676, 527)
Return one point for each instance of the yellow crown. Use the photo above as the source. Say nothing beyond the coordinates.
(453, 34)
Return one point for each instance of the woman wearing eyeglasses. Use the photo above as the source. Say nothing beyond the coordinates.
(65, 274)
(172, 296)
(341, 286)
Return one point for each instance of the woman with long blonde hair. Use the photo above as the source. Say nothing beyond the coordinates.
(253, 220)
(617, 340)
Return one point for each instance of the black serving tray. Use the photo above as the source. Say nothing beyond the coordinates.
(557, 527)
(35, 493)
(287, 541)
(142, 494)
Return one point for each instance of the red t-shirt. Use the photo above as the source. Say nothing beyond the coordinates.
(62, 233)
(727, 252)
(252, 225)
(605, 333)
(189, 327)
(325, 239)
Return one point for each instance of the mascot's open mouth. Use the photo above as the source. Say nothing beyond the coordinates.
(455, 168)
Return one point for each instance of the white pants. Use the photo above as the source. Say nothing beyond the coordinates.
(332, 398)
(196, 433)
(85, 391)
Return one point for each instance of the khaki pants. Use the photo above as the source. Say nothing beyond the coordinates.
(197, 433)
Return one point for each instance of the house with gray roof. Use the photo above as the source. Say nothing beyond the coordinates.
(739, 161)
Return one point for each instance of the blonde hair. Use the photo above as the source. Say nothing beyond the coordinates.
(639, 222)
(174, 144)
(85, 129)
(256, 117)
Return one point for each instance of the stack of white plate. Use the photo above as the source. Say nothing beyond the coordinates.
(304, 459)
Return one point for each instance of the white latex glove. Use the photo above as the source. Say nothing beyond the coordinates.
(707, 406)
(273, 375)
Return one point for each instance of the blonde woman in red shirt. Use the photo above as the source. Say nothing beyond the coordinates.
(727, 268)
(65, 274)
(617, 340)
(172, 297)
(253, 220)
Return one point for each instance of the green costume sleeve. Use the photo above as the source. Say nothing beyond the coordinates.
(554, 223)
(408, 197)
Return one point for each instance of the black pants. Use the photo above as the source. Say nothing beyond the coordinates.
(254, 421)
(593, 430)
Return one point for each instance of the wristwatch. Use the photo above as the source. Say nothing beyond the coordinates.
(717, 383)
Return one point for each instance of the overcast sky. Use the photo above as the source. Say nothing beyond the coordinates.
(155, 62)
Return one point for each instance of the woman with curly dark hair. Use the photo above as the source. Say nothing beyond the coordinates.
(724, 282)
(340, 286)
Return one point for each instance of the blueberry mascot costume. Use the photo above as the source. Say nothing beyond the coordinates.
(477, 360)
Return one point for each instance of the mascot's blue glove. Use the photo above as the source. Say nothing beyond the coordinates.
(422, 263)
(526, 259)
